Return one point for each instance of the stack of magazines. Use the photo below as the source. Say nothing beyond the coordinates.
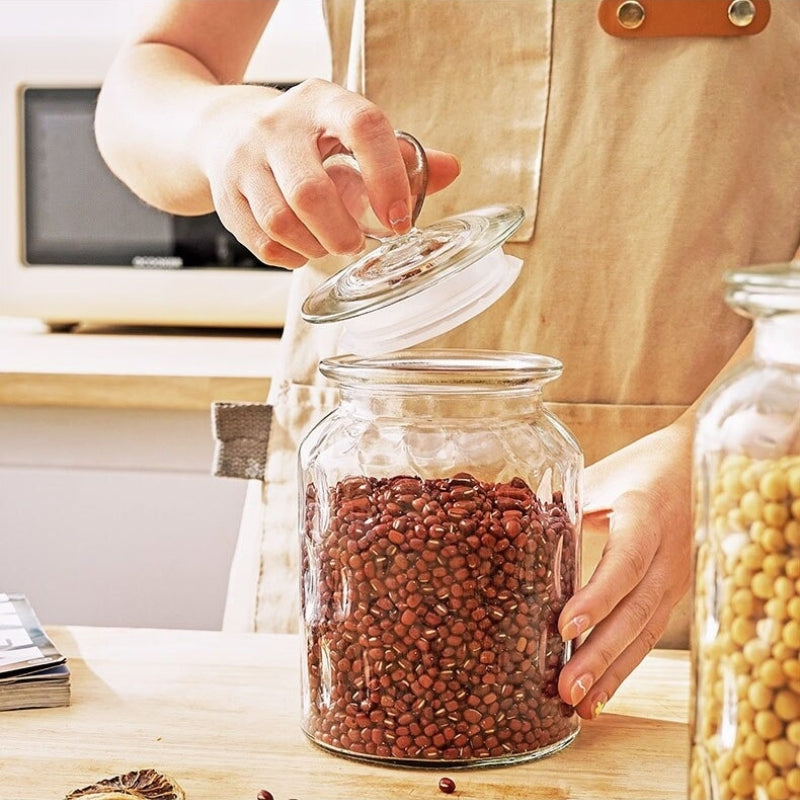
(33, 673)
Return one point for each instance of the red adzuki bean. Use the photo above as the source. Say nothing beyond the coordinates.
(405, 660)
(447, 785)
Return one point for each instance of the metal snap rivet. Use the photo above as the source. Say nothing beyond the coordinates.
(630, 14)
(741, 12)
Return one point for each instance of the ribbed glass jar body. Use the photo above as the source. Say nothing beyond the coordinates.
(440, 527)
(746, 632)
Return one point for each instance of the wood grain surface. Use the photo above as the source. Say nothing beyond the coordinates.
(118, 367)
(220, 713)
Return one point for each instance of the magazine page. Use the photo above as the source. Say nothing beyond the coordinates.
(24, 646)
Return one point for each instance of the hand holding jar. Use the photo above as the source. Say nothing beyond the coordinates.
(639, 498)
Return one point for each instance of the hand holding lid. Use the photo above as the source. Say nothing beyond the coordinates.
(345, 172)
(423, 282)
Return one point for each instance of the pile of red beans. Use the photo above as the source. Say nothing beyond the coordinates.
(431, 611)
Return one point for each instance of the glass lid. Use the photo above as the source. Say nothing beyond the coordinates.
(424, 282)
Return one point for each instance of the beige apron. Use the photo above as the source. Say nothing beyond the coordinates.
(647, 168)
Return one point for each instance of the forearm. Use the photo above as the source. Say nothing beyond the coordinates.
(165, 92)
(153, 107)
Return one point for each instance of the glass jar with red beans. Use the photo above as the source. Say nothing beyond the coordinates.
(746, 634)
(440, 539)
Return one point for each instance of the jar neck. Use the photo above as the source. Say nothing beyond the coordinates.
(420, 402)
(777, 339)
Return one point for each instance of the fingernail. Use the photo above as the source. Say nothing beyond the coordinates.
(575, 627)
(598, 703)
(580, 688)
(400, 217)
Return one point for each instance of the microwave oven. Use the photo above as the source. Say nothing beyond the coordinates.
(76, 245)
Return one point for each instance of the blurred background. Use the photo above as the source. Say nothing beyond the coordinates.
(109, 514)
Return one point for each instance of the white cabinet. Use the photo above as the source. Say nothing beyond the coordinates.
(112, 516)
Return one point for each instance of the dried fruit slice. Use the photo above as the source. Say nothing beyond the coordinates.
(143, 784)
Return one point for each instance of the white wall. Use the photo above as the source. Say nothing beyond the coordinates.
(294, 47)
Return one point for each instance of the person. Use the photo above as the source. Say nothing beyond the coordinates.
(647, 167)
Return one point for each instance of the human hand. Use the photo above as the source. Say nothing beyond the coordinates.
(645, 567)
(263, 156)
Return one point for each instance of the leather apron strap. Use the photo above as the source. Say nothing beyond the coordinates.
(647, 19)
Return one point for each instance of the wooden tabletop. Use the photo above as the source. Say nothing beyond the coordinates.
(133, 367)
(220, 713)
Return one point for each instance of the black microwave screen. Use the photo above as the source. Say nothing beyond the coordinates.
(78, 212)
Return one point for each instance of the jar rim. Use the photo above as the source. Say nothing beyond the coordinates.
(764, 289)
(442, 368)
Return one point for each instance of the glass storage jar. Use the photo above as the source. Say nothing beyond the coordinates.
(440, 525)
(745, 720)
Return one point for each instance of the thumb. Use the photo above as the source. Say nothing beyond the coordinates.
(443, 169)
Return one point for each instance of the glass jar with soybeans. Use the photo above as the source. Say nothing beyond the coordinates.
(746, 630)
(440, 524)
